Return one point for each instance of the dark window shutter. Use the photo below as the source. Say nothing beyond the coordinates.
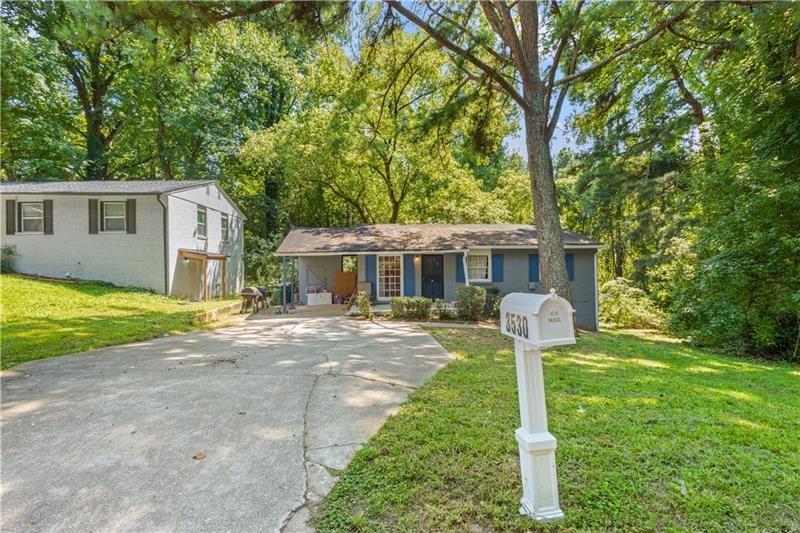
(533, 267)
(497, 268)
(459, 268)
(11, 217)
(130, 216)
(408, 275)
(571, 267)
(48, 217)
(93, 212)
(371, 274)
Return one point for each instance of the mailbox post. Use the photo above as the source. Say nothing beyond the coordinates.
(536, 321)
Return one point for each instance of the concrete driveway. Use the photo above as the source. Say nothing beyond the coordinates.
(107, 439)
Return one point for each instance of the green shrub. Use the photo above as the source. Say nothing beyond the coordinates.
(441, 310)
(492, 306)
(626, 306)
(471, 301)
(414, 307)
(364, 305)
(7, 257)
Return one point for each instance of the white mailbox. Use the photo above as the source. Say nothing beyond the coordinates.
(540, 320)
(536, 321)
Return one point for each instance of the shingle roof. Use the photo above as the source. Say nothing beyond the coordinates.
(415, 237)
(99, 187)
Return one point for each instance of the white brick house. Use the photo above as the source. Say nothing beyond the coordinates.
(173, 237)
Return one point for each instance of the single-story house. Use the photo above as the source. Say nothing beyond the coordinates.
(433, 260)
(180, 238)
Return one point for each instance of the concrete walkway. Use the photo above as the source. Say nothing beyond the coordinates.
(240, 429)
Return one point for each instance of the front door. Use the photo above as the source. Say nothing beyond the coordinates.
(433, 276)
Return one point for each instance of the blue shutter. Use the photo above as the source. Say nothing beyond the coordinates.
(571, 267)
(459, 268)
(497, 267)
(533, 267)
(408, 275)
(371, 274)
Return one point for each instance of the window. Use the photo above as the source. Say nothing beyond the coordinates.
(224, 223)
(478, 266)
(31, 217)
(113, 216)
(201, 222)
(389, 276)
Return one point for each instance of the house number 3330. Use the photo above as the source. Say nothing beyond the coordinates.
(517, 325)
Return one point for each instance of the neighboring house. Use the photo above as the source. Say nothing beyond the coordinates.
(433, 260)
(181, 238)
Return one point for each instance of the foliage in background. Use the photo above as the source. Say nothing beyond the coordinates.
(626, 306)
(691, 175)
(411, 307)
(368, 144)
(471, 301)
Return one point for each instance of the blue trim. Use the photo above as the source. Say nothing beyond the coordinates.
(408, 275)
(571, 267)
(459, 268)
(533, 267)
(371, 274)
(497, 267)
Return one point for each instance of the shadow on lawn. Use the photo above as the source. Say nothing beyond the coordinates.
(652, 434)
(37, 338)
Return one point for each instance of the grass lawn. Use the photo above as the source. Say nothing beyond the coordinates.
(43, 318)
(652, 434)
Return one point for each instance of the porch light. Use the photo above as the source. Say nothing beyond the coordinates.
(416, 259)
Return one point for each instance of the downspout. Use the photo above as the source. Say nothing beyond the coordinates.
(165, 227)
(466, 272)
(596, 295)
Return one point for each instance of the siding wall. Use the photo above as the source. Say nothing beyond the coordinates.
(515, 279)
(185, 276)
(134, 260)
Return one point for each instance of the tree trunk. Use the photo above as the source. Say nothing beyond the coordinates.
(96, 165)
(552, 260)
(163, 159)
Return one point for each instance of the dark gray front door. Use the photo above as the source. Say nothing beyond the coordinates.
(433, 276)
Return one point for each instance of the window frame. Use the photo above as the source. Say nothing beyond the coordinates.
(224, 227)
(378, 276)
(204, 210)
(479, 253)
(23, 218)
(124, 216)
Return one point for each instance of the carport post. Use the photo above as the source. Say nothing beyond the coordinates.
(283, 285)
(294, 274)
